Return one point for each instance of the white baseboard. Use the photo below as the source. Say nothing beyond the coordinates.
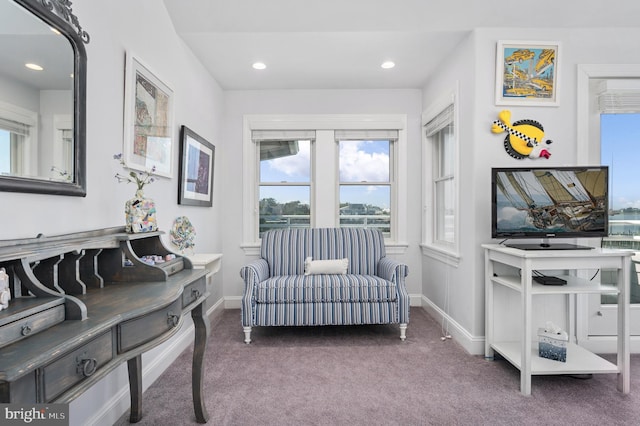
(472, 344)
(155, 362)
(233, 302)
(415, 300)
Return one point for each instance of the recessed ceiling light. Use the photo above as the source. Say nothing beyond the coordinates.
(259, 66)
(388, 64)
(34, 67)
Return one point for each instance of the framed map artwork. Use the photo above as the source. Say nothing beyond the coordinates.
(148, 120)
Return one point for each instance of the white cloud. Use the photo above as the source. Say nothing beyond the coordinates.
(296, 165)
(357, 165)
(623, 202)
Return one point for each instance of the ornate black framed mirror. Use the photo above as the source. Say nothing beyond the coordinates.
(43, 66)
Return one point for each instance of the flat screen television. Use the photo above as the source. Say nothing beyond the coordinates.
(549, 202)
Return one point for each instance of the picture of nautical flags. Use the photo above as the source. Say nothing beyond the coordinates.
(527, 73)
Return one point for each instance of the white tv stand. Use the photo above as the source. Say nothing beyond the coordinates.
(523, 354)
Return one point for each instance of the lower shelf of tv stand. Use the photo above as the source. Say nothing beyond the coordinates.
(579, 360)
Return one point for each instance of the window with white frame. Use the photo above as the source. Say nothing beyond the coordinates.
(441, 140)
(366, 180)
(618, 103)
(325, 171)
(18, 139)
(285, 170)
(13, 138)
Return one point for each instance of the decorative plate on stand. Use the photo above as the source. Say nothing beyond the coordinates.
(183, 234)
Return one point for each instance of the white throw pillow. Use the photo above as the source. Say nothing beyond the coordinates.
(333, 266)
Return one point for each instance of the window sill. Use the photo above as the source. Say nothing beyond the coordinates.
(251, 249)
(441, 254)
(394, 247)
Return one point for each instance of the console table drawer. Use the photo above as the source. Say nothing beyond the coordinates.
(29, 325)
(137, 331)
(77, 365)
(194, 291)
(172, 266)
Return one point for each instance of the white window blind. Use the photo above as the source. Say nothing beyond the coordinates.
(283, 135)
(440, 121)
(617, 103)
(619, 96)
(14, 127)
(366, 135)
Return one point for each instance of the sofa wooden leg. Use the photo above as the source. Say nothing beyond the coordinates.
(403, 332)
(247, 334)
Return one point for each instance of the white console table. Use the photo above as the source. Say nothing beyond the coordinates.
(523, 354)
(209, 261)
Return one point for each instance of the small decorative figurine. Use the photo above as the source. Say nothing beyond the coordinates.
(5, 293)
(524, 137)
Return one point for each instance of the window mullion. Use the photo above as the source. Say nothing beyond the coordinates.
(324, 180)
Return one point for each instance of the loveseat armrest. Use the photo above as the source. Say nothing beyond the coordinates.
(392, 270)
(256, 271)
(252, 274)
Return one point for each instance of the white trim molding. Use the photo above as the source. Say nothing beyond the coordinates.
(590, 154)
(472, 344)
(440, 250)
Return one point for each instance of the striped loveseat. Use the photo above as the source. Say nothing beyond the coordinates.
(278, 292)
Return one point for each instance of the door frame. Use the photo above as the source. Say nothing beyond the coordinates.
(588, 307)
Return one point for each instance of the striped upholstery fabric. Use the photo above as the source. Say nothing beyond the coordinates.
(277, 293)
(326, 313)
(286, 249)
(325, 288)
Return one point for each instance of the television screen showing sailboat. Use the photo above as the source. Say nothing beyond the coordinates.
(536, 202)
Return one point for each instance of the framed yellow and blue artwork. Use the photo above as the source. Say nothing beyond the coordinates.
(527, 73)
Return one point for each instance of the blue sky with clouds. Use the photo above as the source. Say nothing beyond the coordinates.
(620, 140)
(360, 161)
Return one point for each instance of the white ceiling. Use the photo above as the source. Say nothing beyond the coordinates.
(25, 38)
(340, 44)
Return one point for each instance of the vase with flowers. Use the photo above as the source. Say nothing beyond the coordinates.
(140, 211)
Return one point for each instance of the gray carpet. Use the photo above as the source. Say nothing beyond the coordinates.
(364, 375)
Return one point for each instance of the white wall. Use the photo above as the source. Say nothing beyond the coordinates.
(143, 27)
(239, 103)
(481, 149)
(19, 94)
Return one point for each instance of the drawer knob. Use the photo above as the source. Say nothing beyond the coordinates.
(87, 366)
(172, 319)
(26, 330)
(195, 293)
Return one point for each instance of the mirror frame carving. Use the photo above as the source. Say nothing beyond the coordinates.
(58, 14)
